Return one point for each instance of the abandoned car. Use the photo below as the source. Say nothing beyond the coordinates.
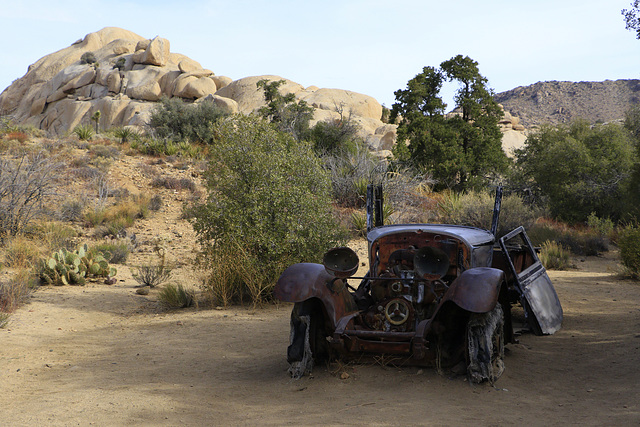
(437, 295)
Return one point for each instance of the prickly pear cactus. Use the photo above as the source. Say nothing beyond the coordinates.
(72, 268)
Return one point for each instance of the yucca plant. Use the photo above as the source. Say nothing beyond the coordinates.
(84, 133)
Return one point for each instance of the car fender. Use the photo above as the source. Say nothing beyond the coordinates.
(476, 290)
(303, 281)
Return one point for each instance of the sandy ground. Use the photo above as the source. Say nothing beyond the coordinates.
(103, 355)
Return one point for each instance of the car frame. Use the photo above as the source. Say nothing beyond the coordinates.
(435, 295)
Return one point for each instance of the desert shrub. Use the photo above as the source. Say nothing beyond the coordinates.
(602, 226)
(152, 275)
(172, 183)
(21, 252)
(14, 292)
(176, 120)
(629, 244)
(83, 132)
(105, 151)
(120, 63)
(335, 136)
(119, 216)
(476, 209)
(88, 58)
(155, 203)
(52, 235)
(269, 206)
(71, 210)
(175, 296)
(26, 183)
(115, 252)
(553, 256)
(579, 241)
(352, 171)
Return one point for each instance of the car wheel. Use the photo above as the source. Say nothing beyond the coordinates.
(485, 345)
(307, 341)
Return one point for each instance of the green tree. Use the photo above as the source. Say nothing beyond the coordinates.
(579, 169)
(288, 114)
(268, 206)
(176, 120)
(632, 17)
(461, 150)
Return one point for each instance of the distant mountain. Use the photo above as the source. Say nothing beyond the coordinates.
(562, 102)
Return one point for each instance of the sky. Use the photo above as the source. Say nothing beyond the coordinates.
(371, 47)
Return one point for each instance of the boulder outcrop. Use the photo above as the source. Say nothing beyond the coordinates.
(131, 74)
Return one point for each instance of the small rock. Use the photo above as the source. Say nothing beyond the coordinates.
(344, 376)
(143, 291)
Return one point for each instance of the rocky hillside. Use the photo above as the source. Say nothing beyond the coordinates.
(562, 102)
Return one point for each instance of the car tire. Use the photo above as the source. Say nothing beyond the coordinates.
(485, 345)
(307, 341)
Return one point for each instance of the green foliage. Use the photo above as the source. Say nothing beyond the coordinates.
(553, 256)
(125, 134)
(579, 241)
(88, 58)
(632, 18)
(72, 268)
(173, 296)
(115, 252)
(335, 136)
(120, 63)
(95, 117)
(602, 226)
(84, 133)
(284, 111)
(268, 206)
(629, 244)
(461, 150)
(175, 120)
(578, 169)
(476, 209)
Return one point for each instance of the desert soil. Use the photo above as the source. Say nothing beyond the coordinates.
(104, 355)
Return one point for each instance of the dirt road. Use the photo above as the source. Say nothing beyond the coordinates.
(103, 355)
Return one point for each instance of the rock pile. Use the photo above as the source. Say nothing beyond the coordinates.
(123, 75)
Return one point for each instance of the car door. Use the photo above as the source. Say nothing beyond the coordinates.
(537, 294)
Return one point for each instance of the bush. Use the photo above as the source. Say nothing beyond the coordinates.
(578, 241)
(84, 133)
(629, 244)
(114, 252)
(176, 120)
(88, 58)
(26, 183)
(126, 134)
(14, 292)
(335, 136)
(476, 209)
(21, 252)
(269, 206)
(173, 296)
(553, 256)
(579, 169)
(172, 183)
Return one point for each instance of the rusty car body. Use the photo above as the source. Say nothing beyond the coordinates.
(435, 294)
